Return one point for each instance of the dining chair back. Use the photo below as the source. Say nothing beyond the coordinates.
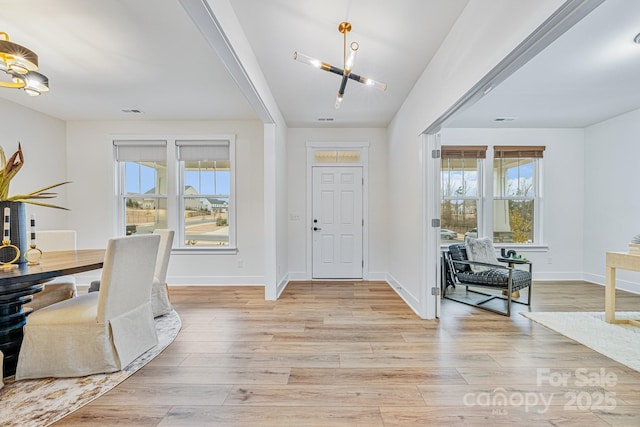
(97, 332)
(160, 302)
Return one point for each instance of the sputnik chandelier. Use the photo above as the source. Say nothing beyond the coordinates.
(20, 66)
(345, 72)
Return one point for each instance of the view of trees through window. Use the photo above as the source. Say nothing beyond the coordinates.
(514, 199)
(514, 196)
(460, 197)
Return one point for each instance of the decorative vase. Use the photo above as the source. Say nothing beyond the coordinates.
(18, 221)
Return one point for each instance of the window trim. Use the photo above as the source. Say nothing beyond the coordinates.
(487, 197)
(180, 195)
(466, 152)
(536, 156)
(175, 217)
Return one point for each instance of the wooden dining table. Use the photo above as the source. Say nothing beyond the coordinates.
(19, 283)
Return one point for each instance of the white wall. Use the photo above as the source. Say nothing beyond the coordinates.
(611, 203)
(236, 52)
(560, 258)
(282, 207)
(90, 166)
(43, 140)
(485, 33)
(297, 179)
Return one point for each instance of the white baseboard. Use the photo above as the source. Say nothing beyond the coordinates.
(282, 285)
(301, 276)
(556, 275)
(624, 285)
(410, 299)
(297, 276)
(215, 280)
(377, 276)
(87, 278)
(593, 278)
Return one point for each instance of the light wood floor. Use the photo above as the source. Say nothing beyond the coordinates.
(354, 354)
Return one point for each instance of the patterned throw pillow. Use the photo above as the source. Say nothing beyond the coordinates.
(480, 250)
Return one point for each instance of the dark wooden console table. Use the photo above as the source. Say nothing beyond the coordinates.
(18, 285)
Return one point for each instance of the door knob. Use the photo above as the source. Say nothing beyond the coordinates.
(316, 229)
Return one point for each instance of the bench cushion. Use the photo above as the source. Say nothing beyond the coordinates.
(496, 277)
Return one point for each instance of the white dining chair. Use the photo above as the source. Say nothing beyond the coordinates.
(97, 332)
(62, 287)
(160, 302)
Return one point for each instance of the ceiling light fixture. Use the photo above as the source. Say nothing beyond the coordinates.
(345, 72)
(21, 68)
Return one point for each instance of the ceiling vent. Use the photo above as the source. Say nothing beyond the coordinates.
(505, 119)
(132, 111)
(325, 119)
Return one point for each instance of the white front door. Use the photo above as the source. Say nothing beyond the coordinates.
(337, 223)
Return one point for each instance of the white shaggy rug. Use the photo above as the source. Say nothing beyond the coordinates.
(620, 342)
(42, 402)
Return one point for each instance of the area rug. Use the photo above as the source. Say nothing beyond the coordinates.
(619, 342)
(42, 402)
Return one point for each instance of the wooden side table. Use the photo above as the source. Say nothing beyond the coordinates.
(625, 261)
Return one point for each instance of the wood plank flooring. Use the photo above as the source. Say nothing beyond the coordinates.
(354, 354)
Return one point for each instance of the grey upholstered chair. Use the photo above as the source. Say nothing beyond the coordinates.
(62, 287)
(101, 331)
(457, 271)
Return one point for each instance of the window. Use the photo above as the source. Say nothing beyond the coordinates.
(510, 211)
(186, 185)
(515, 193)
(461, 191)
(337, 156)
(205, 192)
(143, 185)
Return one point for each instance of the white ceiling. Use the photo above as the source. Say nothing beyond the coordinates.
(397, 40)
(108, 55)
(105, 56)
(590, 74)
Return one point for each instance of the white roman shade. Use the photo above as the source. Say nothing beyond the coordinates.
(203, 150)
(141, 151)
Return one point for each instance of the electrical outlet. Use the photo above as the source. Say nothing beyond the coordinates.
(549, 260)
(240, 263)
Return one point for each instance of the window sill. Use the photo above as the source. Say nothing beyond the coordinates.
(523, 247)
(205, 251)
(517, 247)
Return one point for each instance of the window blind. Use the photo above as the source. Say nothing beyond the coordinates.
(141, 151)
(203, 150)
(515, 151)
(464, 151)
